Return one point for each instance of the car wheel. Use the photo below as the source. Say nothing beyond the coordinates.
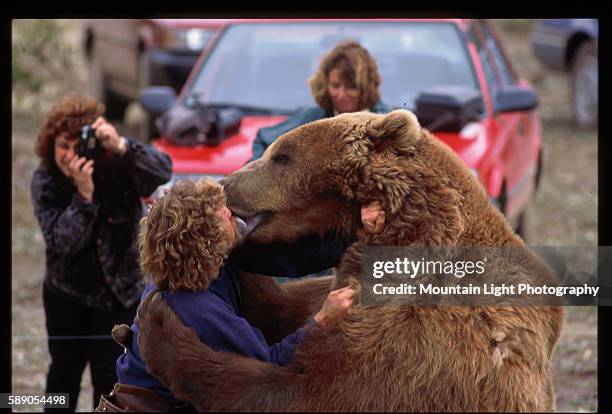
(584, 82)
(99, 90)
(525, 223)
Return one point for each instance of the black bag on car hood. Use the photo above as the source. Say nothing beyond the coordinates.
(185, 126)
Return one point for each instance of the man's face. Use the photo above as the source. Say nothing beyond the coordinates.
(229, 225)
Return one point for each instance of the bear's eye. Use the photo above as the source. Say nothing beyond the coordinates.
(282, 159)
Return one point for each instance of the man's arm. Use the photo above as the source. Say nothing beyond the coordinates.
(218, 325)
(176, 355)
(309, 255)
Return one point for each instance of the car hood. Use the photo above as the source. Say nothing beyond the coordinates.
(230, 155)
(236, 150)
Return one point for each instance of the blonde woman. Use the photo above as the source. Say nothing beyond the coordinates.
(347, 80)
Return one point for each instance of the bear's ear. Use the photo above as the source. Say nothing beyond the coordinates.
(398, 126)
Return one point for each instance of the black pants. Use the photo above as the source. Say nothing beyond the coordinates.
(69, 356)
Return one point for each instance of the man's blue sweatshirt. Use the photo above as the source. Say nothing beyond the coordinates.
(214, 315)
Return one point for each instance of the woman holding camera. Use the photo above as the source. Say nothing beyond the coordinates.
(89, 211)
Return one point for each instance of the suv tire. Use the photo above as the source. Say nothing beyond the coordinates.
(584, 81)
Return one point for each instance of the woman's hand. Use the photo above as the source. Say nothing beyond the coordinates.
(108, 136)
(81, 171)
(336, 306)
(372, 219)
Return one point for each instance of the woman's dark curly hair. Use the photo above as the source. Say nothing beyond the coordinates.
(357, 67)
(182, 240)
(66, 117)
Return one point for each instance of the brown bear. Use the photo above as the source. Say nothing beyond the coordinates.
(386, 357)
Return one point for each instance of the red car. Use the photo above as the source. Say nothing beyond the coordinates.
(255, 74)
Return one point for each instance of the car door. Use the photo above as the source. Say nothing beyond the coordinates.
(515, 134)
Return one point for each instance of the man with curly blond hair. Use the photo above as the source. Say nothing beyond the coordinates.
(185, 242)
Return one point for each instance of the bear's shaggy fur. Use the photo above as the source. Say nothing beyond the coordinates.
(383, 357)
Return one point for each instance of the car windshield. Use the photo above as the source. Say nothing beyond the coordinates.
(263, 66)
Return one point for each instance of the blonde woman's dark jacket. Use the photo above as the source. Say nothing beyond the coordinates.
(266, 136)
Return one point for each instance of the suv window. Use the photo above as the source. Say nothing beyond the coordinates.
(502, 65)
(497, 70)
(486, 64)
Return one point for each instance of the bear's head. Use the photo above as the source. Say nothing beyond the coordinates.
(315, 178)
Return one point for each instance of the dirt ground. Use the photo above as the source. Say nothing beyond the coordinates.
(564, 214)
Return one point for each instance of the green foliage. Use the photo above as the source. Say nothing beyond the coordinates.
(40, 54)
(21, 77)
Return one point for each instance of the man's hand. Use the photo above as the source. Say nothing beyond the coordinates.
(336, 306)
(372, 219)
(81, 171)
(122, 334)
(108, 136)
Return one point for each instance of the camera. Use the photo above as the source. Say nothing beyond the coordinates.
(88, 143)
